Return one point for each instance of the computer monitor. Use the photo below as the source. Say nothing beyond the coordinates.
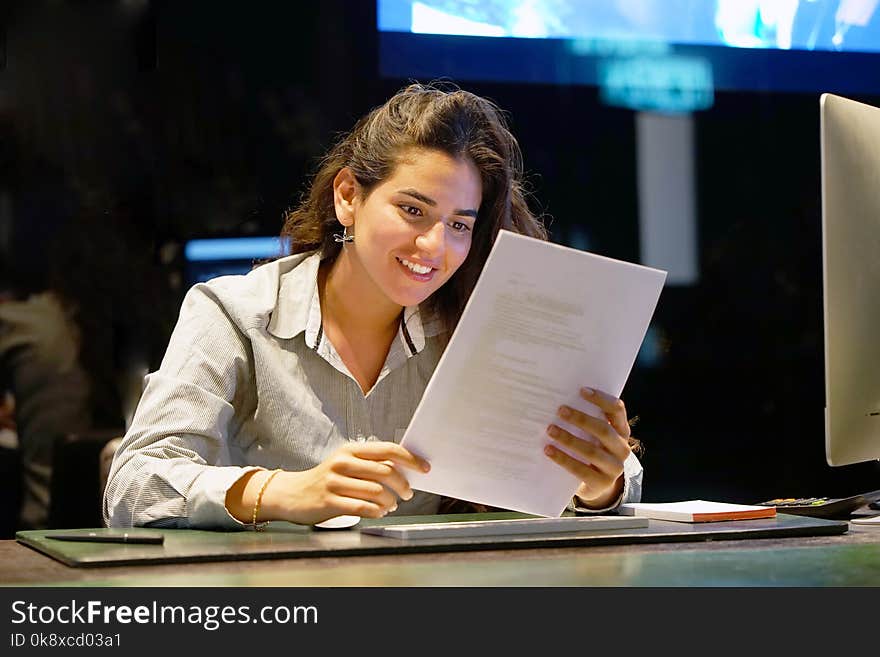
(850, 160)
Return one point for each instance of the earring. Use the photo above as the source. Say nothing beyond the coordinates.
(344, 237)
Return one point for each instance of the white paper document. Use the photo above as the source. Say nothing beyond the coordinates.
(543, 321)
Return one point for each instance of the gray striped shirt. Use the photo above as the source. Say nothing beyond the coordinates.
(249, 381)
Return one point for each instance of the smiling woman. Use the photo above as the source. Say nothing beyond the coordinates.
(410, 234)
(412, 231)
(283, 392)
(425, 121)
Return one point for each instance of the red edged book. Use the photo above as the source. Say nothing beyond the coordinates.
(697, 511)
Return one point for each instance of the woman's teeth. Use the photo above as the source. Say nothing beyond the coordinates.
(419, 269)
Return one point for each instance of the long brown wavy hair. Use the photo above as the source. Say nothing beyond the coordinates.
(444, 118)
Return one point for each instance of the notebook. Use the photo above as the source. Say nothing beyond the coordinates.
(505, 527)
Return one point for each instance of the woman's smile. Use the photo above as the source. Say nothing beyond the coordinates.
(417, 271)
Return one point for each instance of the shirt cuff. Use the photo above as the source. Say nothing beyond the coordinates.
(206, 501)
(632, 489)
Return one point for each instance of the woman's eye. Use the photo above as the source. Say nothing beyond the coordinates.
(409, 209)
(459, 226)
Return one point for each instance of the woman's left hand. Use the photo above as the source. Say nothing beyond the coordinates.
(598, 466)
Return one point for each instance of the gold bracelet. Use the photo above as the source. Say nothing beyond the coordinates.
(260, 499)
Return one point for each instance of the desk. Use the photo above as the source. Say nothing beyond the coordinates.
(851, 559)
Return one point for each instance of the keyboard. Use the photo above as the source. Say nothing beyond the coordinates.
(822, 507)
(472, 528)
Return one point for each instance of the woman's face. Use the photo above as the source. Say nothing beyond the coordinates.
(414, 229)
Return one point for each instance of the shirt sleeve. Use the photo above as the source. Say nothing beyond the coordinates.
(173, 467)
(632, 488)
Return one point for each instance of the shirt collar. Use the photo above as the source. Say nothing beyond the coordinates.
(298, 308)
(418, 324)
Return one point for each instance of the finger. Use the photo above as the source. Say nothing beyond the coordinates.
(350, 506)
(613, 408)
(378, 450)
(382, 471)
(593, 478)
(360, 489)
(601, 429)
(590, 453)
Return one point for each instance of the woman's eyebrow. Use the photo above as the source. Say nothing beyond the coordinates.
(429, 201)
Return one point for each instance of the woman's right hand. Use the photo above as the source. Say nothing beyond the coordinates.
(359, 479)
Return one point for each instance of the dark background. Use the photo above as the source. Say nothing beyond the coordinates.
(129, 127)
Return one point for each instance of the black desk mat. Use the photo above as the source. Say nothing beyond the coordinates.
(285, 540)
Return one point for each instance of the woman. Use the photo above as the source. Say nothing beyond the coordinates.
(282, 392)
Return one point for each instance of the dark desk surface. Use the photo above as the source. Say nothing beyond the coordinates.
(850, 559)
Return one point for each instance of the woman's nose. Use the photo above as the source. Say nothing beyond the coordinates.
(433, 240)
